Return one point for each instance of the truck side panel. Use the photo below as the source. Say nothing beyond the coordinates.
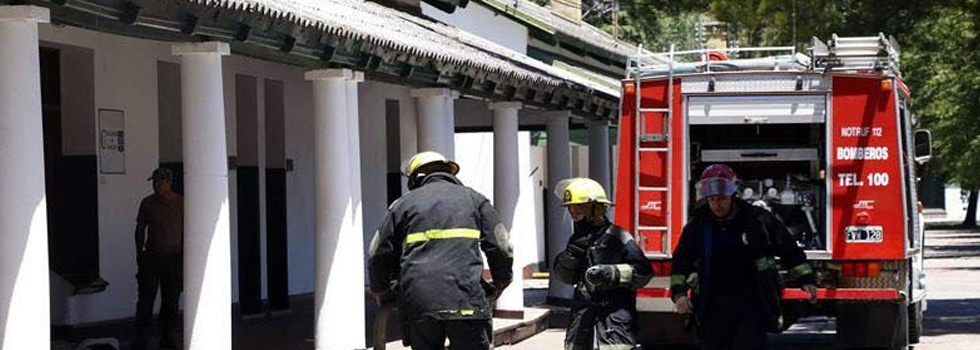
(658, 210)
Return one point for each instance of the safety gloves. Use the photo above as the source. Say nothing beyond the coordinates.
(601, 276)
(683, 305)
(811, 291)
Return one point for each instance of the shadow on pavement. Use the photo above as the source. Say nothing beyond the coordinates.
(954, 316)
(953, 251)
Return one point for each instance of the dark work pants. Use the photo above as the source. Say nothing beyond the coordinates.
(611, 329)
(163, 272)
(729, 326)
(431, 334)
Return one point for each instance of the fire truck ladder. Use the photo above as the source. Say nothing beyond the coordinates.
(857, 53)
(640, 145)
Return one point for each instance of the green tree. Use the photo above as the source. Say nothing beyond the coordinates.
(941, 59)
(777, 23)
(654, 23)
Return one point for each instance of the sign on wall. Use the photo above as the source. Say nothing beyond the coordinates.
(112, 142)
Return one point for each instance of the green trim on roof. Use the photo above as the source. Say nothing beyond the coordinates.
(522, 16)
(587, 75)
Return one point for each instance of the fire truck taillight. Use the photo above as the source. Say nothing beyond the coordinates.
(886, 85)
(630, 88)
(861, 269)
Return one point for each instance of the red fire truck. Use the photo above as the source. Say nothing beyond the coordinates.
(824, 140)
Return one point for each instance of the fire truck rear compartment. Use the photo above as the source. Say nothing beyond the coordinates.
(780, 167)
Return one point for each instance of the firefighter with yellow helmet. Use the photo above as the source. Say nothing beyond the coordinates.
(605, 265)
(428, 249)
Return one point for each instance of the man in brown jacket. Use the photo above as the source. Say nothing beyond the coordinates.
(159, 257)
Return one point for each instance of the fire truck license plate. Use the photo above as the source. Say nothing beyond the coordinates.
(864, 234)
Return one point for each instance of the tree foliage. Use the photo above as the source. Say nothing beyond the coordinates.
(942, 58)
(654, 23)
(940, 50)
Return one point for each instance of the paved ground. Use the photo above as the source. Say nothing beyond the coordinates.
(288, 331)
(952, 321)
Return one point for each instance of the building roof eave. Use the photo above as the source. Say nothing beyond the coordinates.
(385, 43)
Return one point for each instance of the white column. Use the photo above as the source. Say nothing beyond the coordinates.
(339, 285)
(434, 133)
(450, 120)
(207, 230)
(506, 192)
(355, 238)
(24, 297)
(559, 221)
(599, 153)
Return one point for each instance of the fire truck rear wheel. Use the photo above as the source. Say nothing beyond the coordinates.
(873, 325)
(915, 322)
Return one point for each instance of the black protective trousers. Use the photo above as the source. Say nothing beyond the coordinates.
(611, 329)
(163, 272)
(431, 334)
(734, 326)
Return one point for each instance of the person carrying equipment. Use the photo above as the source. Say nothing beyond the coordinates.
(427, 252)
(606, 267)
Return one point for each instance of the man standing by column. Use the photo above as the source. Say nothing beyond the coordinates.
(428, 249)
(726, 254)
(605, 265)
(159, 257)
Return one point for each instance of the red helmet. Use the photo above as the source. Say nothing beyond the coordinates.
(716, 180)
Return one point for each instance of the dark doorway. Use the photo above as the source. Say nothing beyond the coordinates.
(70, 168)
(247, 170)
(393, 139)
(275, 197)
(170, 122)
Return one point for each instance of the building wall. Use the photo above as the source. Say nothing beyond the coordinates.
(479, 20)
(474, 153)
(125, 78)
(374, 149)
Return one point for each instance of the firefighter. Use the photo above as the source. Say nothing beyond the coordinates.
(726, 256)
(605, 265)
(427, 252)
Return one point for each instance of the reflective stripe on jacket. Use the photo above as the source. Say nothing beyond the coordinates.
(429, 246)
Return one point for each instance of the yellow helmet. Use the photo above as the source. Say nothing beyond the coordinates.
(581, 190)
(425, 158)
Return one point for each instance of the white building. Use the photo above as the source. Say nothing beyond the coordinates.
(285, 122)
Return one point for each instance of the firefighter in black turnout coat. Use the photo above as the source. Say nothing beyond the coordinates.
(427, 251)
(726, 255)
(606, 267)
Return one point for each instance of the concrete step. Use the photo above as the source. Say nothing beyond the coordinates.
(507, 331)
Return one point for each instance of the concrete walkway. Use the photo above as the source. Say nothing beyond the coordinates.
(293, 330)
